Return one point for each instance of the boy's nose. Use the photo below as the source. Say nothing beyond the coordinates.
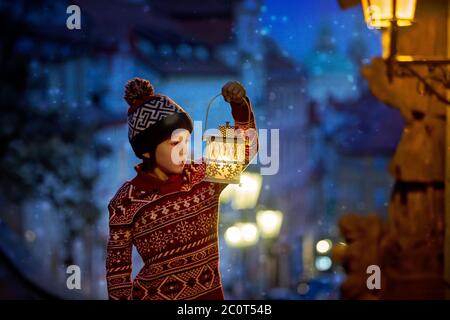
(182, 150)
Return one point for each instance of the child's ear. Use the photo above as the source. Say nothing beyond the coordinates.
(146, 155)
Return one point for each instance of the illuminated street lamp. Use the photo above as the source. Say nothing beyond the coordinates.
(233, 236)
(323, 246)
(323, 260)
(391, 15)
(269, 222)
(381, 13)
(245, 194)
(242, 234)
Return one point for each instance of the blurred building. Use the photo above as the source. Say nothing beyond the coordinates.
(334, 138)
(351, 138)
(188, 51)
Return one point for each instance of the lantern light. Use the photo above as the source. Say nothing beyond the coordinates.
(225, 155)
(249, 233)
(269, 222)
(225, 159)
(382, 13)
(228, 193)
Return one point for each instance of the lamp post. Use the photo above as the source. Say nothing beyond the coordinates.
(403, 66)
(242, 235)
(390, 15)
(322, 261)
(269, 224)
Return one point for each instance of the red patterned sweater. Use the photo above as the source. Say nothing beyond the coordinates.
(174, 226)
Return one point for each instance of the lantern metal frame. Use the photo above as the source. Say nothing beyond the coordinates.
(233, 139)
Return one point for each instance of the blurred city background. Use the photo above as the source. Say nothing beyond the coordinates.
(65, 152)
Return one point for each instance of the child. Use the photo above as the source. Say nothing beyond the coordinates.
(167, 211)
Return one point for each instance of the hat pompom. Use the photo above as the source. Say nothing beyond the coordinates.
(137, 90)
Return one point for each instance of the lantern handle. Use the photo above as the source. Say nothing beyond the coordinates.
(209, 106)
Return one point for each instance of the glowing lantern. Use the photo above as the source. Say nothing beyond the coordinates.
(383, 13)
(225, 152)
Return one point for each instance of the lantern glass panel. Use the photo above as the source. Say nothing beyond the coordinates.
(380, 13)
(225, 158)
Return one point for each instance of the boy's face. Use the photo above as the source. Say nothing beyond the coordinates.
(171, 154)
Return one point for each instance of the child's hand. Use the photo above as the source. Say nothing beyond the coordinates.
(233, 91)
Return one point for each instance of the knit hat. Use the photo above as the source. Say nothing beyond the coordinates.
(152, 118)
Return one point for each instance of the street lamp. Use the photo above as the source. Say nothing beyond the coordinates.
(323, 246)
(322, 261)
(380, 13)
(390, 15)
(269, 222)
(242, 234)
(245, 194)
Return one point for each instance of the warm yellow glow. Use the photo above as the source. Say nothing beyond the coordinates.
(405, 12)
(228, 193)
(380, 13)
(323, 246)
(386, 43)
(245, 194)
(226, 151)
(249, 233)
(404, 58)
(225, 159)
(242, 234)
(233, 236)
(269, 222)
